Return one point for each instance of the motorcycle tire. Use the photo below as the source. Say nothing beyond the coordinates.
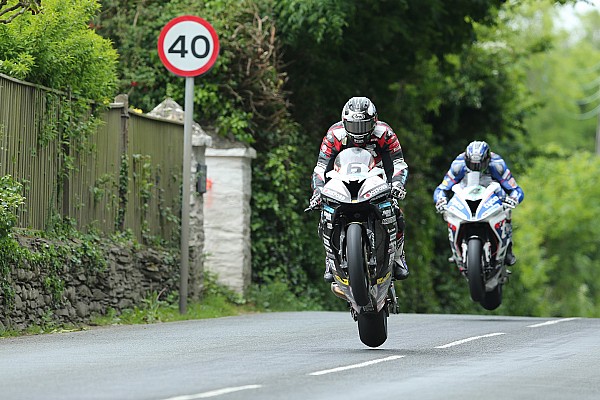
(492, 299)
(372, 328)
(474, 269)
(356, 265)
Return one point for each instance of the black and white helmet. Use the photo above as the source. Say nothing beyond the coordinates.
(359, 117)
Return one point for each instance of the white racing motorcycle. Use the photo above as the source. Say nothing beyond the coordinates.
(358, 229)
(479, 237)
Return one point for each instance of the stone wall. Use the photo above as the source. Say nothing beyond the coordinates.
(130, 275)
(170, 110)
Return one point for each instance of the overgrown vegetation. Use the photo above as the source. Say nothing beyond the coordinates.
(11, 9)
(441, 73)
(54, 47)
(10, 199)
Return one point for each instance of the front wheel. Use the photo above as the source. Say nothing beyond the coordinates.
(492, 300)
(356, 265)
(475, 269)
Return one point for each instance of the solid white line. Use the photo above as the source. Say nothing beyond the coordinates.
(364, 364)
(214, 393)
(554, 321)
(468, 340)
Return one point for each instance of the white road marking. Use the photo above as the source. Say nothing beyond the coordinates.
(364, 364)
(214, 393)
(554, 321)
(445, 346)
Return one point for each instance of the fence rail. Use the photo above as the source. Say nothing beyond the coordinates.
(129, 170)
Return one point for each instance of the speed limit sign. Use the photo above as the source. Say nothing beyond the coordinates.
(188, 46)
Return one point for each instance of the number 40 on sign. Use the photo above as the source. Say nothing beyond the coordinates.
(188, 46)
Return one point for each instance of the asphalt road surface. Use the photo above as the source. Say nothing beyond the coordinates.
(310, 355)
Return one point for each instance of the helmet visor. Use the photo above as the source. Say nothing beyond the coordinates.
(478, 165)
(360, 127)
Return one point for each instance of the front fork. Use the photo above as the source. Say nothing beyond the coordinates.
(392, 300)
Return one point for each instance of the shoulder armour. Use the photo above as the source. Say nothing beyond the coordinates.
(338, 131)
(458, 164)
(498, 164)
(381, 129)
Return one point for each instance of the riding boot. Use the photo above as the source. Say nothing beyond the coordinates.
(510, 259)
(328, 275)
(400, 267)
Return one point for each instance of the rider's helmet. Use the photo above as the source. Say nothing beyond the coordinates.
(359, 117)
(477, 156)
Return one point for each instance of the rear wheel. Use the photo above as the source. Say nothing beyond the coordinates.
(474, 269)
(356, 264)
(372, 328)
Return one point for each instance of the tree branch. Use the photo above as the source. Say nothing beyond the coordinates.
(12, 12)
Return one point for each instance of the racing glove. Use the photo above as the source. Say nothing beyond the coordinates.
(509, 202)
(440, 205)
(398, 191)
(315, 200)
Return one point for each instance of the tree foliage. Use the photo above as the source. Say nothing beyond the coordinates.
(242, 98)
(285, 70)
(56, 48)
(561, 68)
(11, 9)
(441, 73)
(556, 238)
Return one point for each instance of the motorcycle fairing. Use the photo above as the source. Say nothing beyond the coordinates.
(356, 185)
(337, 191)
(474, 203)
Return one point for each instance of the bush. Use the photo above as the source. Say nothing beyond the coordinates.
(10, 199)
(556, 235)
(56, 48)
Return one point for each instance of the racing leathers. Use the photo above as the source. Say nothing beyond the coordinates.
(510, 192)
(387, 152)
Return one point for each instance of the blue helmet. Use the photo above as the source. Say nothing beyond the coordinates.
(477, 156)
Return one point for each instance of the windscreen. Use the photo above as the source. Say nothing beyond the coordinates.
(354, 161)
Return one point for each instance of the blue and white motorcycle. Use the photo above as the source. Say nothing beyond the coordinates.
(479, 237)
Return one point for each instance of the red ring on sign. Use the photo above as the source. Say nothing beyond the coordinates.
(211, 61)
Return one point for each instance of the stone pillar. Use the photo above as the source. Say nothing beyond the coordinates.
(197, 236)
(227, 215)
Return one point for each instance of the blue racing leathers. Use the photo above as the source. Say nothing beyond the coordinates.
(497, 171)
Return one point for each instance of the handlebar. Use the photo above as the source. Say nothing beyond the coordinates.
(309, 209)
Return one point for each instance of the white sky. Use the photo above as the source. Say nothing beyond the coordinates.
(569, 12)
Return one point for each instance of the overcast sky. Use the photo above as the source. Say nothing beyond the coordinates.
(569, 12)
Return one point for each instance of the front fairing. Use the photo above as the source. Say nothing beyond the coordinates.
(355, 178)
(355, 187)
(474, 203)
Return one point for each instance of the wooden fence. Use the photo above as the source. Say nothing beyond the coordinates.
(127, 176)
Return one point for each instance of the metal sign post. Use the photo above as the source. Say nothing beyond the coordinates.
(188, 46)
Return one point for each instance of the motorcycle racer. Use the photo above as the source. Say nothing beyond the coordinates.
(360, 127)
(478, 157)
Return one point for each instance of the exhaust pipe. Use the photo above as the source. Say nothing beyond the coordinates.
(337, 291)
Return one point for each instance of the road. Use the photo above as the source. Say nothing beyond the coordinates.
(310, 355)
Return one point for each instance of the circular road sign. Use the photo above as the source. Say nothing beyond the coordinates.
(188, 46)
